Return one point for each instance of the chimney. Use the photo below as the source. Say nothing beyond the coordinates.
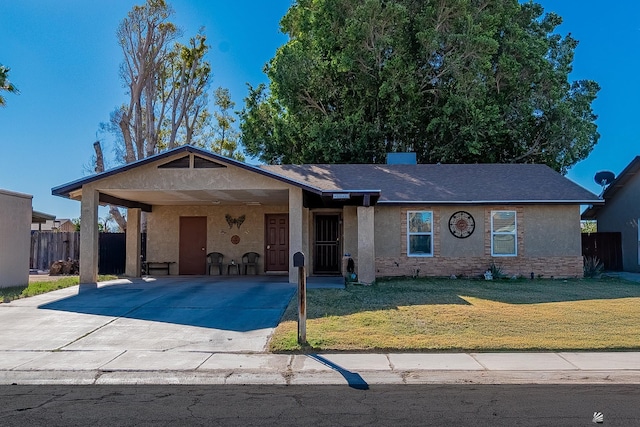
(401, 159)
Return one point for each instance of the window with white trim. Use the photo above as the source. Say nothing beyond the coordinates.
(420, 233)
(504, 233)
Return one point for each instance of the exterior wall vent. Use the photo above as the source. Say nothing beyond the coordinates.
(401, 159)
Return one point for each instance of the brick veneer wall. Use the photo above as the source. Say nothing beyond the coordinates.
(520, 265)
(475, 266)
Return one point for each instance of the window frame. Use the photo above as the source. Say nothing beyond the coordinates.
(513, 233)
(421, 233)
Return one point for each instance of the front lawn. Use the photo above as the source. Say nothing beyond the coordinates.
(468, 315)
(36, 288)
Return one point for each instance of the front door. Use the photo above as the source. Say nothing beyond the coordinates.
(193, 245)
(277, 242)
(326, 250)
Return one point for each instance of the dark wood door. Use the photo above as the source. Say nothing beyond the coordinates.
(326, 249)
(193, 245)
(277, 242)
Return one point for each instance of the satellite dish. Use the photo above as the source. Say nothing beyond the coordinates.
(604, 178)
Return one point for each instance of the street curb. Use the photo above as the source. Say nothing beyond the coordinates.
(287, 378)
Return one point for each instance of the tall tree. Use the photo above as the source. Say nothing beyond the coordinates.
(225, 136)
(166, 84)
(453, 80)
(5, 84)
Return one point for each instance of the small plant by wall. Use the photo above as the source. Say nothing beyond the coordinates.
(496, 271)
(593, 267)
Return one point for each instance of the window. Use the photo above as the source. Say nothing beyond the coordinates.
(420, 233)
(504, 238)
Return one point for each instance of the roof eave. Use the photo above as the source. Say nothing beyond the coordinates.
(491, 202)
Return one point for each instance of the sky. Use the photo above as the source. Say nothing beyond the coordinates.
(64, 59)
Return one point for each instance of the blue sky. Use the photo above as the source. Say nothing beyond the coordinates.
(64, 59)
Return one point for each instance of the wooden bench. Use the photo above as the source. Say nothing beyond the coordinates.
(147, 266)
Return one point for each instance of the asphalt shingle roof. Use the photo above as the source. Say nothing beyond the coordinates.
(443, 183)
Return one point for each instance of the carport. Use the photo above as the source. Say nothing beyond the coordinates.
(196, 202)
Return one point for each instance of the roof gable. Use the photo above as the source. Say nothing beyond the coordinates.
(202, 160)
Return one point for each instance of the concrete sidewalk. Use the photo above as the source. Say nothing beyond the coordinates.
(188, 367)
(129, 332)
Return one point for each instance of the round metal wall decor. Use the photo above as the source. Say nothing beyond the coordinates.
(461, 224)
(235, 239)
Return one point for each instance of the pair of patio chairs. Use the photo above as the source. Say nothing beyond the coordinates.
(249, 260)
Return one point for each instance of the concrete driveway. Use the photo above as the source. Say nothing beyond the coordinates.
(189, 314)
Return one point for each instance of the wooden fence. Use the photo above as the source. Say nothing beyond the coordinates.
(607, 247)
(48, 247)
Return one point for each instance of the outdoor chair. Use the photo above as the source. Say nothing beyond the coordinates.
(214, 259)
(250, 260)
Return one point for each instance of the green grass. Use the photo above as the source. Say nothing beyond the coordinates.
(468, 315)
(36, 288)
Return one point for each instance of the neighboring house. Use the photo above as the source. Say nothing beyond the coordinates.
(53, 224)
(621, 213)
(399, 219)
(15, 220)
(40, 221)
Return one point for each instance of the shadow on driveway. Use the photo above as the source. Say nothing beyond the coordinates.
(227, 303)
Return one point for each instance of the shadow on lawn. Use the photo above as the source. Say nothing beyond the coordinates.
(391, 294)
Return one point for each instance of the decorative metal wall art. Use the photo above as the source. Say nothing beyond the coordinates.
(237, 221)
(461, 224)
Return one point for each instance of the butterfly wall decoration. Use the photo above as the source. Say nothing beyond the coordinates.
(237, 221)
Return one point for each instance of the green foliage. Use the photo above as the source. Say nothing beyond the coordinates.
(225, 136)
(36, 288)
(589, 226)
(5, 84)
(593, 267)
(448, 79)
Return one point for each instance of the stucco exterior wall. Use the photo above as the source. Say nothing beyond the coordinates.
(350, 231)
(453, 247)
(538, 228)
(388, 227)
(621, 214)
(552, 231)
(15, 225)
(163, 229)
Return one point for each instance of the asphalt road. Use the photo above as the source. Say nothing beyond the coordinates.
(401, 405)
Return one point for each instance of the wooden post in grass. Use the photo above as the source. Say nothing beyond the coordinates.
(298, 261)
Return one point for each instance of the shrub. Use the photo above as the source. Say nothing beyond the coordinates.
(593, 267)
(496, 271)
